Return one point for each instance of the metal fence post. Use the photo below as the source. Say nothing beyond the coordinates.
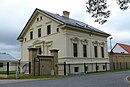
(126, 66)
(7, 68)
(96, 67)
(64, 68)
(69, 69)
(29, 67)
(106, 66)
(84, 67)
(120, 65)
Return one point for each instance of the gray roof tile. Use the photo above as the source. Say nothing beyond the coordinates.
(7, 57)
(73, 22)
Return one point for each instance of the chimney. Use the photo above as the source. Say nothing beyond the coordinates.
(66, 14)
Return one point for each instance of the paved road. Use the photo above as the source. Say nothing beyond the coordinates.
(97, 80)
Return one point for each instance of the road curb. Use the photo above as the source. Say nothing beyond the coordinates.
(126, 79)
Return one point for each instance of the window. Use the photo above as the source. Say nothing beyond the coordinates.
(97, 68)
(95, 51)
(37, 19)
(86, 68)
(1, 64)
(31, 35)
(57, 29)
(104, 67)
(48, 29)
(75, 51)
(25, 39)
(39, 51)
(76, 69)
(41, 18)
(102, 51)
(84, 51)
(39, 32)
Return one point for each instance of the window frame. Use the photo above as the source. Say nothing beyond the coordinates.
(1, 65)
(84, 50)
(40, 17)
(39, 32)
(57, 29)
(75, 49)
(102, 52)
(96, 51)
(37, 19)
(31, 35)
(48, 29)
(76, 69)
(104, 67)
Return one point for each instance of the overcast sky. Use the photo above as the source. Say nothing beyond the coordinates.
(14, 14)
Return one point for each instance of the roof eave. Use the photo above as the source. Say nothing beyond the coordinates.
(84, 29)
(19, 37)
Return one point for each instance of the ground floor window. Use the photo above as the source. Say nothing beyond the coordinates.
(104, 67)
(76, 69)
(97, 67)
(39, 51)
(1, 64)
(86, 68)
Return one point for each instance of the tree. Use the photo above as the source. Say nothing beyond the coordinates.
(99, 9)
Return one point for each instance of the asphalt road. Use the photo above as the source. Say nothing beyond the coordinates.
(117, 79)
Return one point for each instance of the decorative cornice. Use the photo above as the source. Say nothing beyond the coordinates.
(84, 41)
(49, 43)
(101, 43)
(75, 39)
(95, 43)
(38, 42)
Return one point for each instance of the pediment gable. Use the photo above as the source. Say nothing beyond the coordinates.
(33, 19)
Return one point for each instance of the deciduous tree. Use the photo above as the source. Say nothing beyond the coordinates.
(99, 9)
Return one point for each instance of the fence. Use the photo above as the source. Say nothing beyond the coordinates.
(119, 65)
(25, 67)
(84, 67)
(8, 67)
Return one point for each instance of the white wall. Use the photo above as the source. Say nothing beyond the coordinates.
(119, 49)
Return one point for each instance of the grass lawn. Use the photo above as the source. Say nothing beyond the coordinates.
(10, 72)
(28, 76)
(12, 75)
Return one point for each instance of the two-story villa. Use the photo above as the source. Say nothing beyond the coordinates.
(78, 43)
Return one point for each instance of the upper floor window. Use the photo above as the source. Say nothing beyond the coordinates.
(40, 17)
(84, 51)
(102, 51)
(75, 50)
(25, 39)
(31, 35)
(37, 19)
(48, 29)
(39, 32)
(95, 51)
(57, 29)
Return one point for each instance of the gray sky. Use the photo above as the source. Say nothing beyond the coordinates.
(15, 14)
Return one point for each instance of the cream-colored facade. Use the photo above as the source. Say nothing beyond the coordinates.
(62, 36)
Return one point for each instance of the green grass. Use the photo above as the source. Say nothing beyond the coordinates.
(28, 76)
(10, 72)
